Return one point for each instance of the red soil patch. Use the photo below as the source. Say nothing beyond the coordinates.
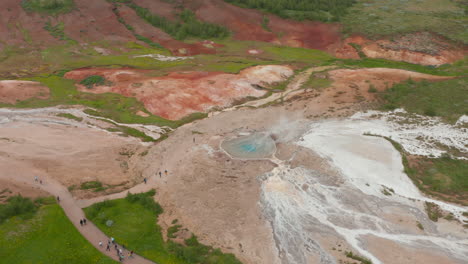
(182, 93)
(13, 91)
(16, 25)
(246, 25)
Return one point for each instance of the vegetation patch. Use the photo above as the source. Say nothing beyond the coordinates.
(186, 26)
(172, 230)
(90, 185)
(378, 18)
(447, 99)
(17, 206)
(135, 226)
(322, 10)
(19, 236)
(444, 177)
(51, 7)
(361, 259)
(57, 30)
(94, 80)
(70, 116)
(433, 211)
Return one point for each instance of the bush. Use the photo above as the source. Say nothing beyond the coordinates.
(93, 80)
(94, 210)
(146, 200)
(17, 206)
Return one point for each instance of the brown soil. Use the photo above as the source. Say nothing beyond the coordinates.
(349, 91)
(182, 93)
(9, 189)
(417, 48)
(70, 155)
(391, 252)
(13, 91)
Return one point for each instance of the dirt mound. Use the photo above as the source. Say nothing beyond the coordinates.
(182, 93)
(13, 91)
(418, 48)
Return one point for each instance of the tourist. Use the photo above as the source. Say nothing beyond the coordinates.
(36, 178)
(144, 180)
(112, 240)
(40, 181)
(108, 247)
(160, 174)
(131, 253)
(165, 172)
(100, 243)
(84, 221)
(115, 246)
(58, 199)
(81, 222)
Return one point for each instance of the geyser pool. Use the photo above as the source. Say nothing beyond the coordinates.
(255, 146)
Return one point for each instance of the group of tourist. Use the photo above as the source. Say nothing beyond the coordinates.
(119, 251)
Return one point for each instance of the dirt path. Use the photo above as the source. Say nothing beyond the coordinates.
(75, 213)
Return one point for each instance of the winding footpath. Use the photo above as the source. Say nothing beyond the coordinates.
(74, 212)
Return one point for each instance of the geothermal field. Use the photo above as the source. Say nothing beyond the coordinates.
(233, 132)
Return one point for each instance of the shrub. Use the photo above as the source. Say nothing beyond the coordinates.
(93, 80)
(372, 89)
(17, 206)
(146, 200)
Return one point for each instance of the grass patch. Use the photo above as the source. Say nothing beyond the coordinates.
(322, 10)
(377, 18)
(135, 226)
(51, 7)
(57, 30)
(90, 185)
(46, 237)
(308, 56)
(433, 211)
(444, 177)
(70, 116)
(317, 83)
(172, 230)
(447, 99)
(419, 225)
(361, 259)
